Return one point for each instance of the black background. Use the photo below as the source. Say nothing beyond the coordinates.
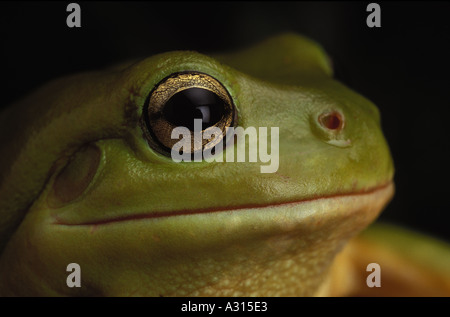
(403, 67)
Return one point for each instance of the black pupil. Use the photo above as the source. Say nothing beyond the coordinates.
(194, 103)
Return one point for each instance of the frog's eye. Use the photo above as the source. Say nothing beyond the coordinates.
(177, 101)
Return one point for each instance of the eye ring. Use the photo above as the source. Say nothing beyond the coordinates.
(164, 110)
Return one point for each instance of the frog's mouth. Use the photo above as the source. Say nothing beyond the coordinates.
(369, 202)
(286, 246)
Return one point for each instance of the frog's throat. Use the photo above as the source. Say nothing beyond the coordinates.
(370, 202)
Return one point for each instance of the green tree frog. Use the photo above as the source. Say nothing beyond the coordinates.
(87, 177)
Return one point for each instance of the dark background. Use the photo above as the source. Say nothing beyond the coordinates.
(403, 67)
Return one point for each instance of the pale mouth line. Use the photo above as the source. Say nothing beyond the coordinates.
(168, 214)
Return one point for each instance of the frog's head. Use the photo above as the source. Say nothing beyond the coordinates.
(86, 177)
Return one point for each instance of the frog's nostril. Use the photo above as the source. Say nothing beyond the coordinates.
(332, 120)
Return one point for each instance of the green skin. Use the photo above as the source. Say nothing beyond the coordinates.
(238, 231)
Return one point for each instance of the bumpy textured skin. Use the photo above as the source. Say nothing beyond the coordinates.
(80, 136)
